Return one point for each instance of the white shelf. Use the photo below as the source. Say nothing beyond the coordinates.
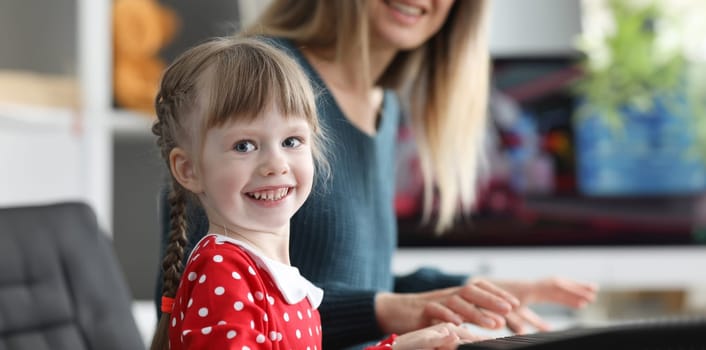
(126, 123)
(55, 132)
(95, 81)
(37, 118)
(42, 155)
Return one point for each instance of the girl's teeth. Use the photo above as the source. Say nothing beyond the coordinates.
(271, 195)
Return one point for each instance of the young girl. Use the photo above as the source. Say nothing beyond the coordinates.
(238, 129)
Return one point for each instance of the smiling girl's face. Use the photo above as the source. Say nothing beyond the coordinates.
(256, 174)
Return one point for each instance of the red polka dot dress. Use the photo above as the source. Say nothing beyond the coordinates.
(229, 298)
(232, 297)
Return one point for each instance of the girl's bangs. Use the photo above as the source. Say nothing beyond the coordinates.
(245, 83)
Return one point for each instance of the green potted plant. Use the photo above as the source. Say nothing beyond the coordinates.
(628, 68)
(639, 124)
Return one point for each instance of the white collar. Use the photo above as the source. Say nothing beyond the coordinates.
(293, 286)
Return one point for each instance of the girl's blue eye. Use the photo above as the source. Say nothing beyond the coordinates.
(244, 146)
(291, 142)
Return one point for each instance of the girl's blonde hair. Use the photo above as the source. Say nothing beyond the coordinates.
(446, 79)
(219, 81)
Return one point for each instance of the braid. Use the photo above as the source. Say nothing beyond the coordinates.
(172, 265)
(164, 125)
(166, 130)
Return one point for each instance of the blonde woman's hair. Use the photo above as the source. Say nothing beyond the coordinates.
(219, 81)
(446, 80)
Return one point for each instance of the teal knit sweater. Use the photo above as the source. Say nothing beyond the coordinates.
(344, 236)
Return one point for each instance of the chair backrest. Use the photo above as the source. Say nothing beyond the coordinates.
(60, 283)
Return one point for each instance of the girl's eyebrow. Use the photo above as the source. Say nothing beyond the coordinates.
(299, 128)
(240, 132)
(298, 123)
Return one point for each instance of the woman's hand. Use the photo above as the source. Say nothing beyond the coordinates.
(479, 301)
(440, 336)
(552, 290)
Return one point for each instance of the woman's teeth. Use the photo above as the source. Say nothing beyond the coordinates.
(405, 9)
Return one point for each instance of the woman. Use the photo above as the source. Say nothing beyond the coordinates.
(357, 54)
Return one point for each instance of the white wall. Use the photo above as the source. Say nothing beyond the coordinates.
(533, 27)
(39, 158)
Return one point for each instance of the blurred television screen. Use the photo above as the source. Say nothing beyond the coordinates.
(555, 180)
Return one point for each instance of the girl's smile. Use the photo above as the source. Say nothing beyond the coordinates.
(269, 197)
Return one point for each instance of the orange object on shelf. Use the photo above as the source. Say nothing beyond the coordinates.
(140, 29)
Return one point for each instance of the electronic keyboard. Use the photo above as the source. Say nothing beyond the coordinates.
(682, 333)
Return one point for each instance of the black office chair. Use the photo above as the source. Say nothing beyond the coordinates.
(60, 284)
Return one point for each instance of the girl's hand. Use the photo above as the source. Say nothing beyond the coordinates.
(440, 336)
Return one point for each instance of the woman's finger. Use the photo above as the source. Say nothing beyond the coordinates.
(515, 323)
(438, 311)
(488, 296)
(533, 319)
(471, 313)
(567, 292)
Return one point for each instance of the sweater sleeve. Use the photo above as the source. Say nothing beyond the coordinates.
(348, 317)
(426, 279)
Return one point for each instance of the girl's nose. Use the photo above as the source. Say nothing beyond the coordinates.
(274, 164)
